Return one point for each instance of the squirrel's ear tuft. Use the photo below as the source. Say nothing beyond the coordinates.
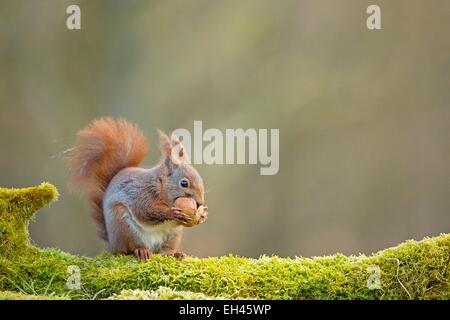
(178, 153)
(172, 149)
(165, 143)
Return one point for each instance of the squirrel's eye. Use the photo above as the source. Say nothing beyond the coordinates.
(184, 183)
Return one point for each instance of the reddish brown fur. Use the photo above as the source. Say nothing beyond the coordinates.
(126, 244)
(99, 155)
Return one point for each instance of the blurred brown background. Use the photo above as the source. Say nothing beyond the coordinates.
(364, 116)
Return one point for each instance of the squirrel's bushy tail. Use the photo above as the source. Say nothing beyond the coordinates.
(104, 148)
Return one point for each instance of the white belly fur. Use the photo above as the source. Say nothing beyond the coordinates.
(152, 237)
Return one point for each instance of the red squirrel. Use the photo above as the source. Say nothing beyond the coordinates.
(133, 206)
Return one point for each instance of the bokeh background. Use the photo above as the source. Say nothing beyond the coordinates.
(364, 116)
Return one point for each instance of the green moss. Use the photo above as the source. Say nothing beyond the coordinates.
(162, 293)
(10, 295)
(17, 206)
(412, 270)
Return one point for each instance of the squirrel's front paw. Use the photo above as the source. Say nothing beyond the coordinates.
(142, 253)
(202, 214)
(181, 216)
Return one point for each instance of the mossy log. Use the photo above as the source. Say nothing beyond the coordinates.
(411, 270)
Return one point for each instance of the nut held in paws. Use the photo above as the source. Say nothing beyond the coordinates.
(188, 205)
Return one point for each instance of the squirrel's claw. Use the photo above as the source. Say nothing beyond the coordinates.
(142, 253)
(179, 255)
(176, 211)
(179, 215)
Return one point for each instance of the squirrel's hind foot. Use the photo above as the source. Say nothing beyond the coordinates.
(179, 255)
(142, 253)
